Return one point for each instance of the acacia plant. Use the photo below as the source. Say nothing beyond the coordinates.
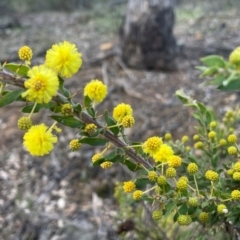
(198, 183)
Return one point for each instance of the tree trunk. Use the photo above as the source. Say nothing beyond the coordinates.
(146, 35)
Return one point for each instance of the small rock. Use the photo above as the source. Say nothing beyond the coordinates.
(61, 203)
(3, 175)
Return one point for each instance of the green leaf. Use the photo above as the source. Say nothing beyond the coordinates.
(205, 204)
(93, 141)
(56, 109)
(10, 97)
(131, 166)
(176, 216)
(114, 156)
(117, 158)
(111, 122)
(198, 116)
(87, 101)
(62, 89)
(201, 68)
(217, 81)
(28, 109)
(20, 98)
(202, 107)
(77, 107)
(111, 157)
(231, 77)
(182, 96)
(91, 111)
(192, 159)
(231, 86)
(192, 210)
(210, 71)
(5, 92)
(19, 69)
(99, 161)
(213, 61)
(211, 207)
(169, 207)
(183, 209)
(142, 183)
(68, 121)
(208, 117)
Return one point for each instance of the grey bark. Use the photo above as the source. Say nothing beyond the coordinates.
(146, 35)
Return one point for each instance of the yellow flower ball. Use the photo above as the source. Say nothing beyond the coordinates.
(193, 202)
(67, 109)
(157, 215)
(39, 140)
(232, 138)
(129, 186)
(196, 137)
(236, 166)
(96, 156)
(187, 149)
(181, 185)
(234, 57)
(232, 150)
(236, 176)
(168, 136)
(184, 178)
(95, 90)
(230, 172)
(74, 145)
(185, 139)
(229, 114)
(204, 217)
(192, 168)
(171, 172)
(137, 195)
(174, 161)
(42, 85)
(225, 120)
(211, 175)
(64, 59)
(222, 142)
(122, 110)
(235, 194)
(161, 180)
(213, 124)
(221, 208)
(90, 129)
(24, 123)
(106, 165)
(152, 176)
(184, 220)
(25, 54)
(198, 145)
(212, 135)
(163, 154)
(128, 121)
(152, 145)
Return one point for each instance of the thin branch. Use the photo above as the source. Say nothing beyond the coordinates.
(10, 79)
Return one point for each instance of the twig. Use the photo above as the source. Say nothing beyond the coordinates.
(59, 99)
(98, 60)
(104, 73)
(125, 69)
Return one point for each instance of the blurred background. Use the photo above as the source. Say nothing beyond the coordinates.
(61, 196)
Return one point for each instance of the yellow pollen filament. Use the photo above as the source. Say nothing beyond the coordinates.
(38, 85)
